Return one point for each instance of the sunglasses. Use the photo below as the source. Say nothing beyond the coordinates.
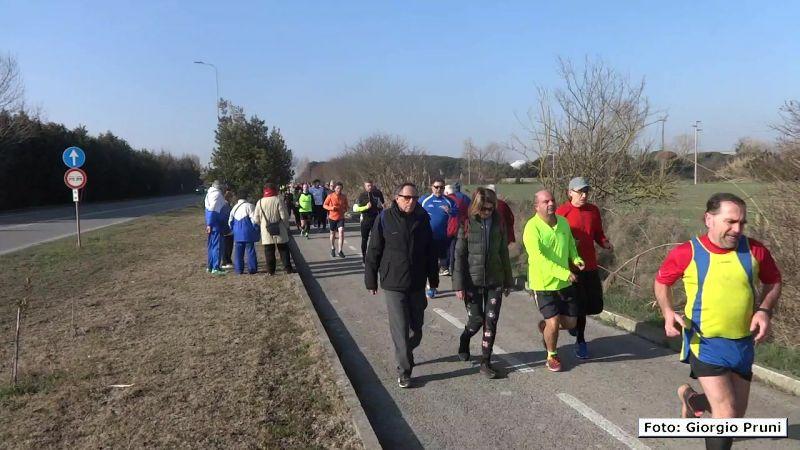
(438, 186)
(408, 197)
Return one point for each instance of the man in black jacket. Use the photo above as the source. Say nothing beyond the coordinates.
(369, 204)
(400, 250)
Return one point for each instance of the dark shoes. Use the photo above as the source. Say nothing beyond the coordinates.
(341, 254)
(487, 370)
(333, 253)
(404, 381)
(463, 349)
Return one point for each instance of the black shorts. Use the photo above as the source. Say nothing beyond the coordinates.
(589, 293)
(702, 369)
(336, 224)
(557, 303)
(305, 216)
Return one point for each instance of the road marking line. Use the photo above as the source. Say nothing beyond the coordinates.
(514, 363)
(352, 248)
(602, 422)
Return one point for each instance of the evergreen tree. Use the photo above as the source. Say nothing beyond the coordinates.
(248, 153)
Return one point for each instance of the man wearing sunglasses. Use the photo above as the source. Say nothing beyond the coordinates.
(587, 229)
(440, 209)
(400, 250)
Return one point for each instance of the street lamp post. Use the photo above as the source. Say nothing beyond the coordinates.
(697, 129)
(216, 78)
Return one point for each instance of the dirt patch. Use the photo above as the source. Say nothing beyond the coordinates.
(227, 361)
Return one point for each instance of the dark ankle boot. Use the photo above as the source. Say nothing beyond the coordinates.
(486, 368)
(463, 348)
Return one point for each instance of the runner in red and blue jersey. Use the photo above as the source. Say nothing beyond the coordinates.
(724, 313)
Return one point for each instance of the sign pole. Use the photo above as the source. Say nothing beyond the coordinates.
(75, 179)
(78, 218)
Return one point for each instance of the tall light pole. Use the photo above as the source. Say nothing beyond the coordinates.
(216, 78)
(663, 121)
(697, 129)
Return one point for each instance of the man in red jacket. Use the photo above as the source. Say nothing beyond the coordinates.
(587, 228)
(505, 213)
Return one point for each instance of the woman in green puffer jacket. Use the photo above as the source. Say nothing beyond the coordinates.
(482, 274)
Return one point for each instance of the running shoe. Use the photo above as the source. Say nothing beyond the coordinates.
(487, 370)
(430, 293)
(444, 272)
(553, 364)
(226, 266)
(218, 272)
(404, 381)
(687, 396)
(333, 253)
(581, 350)
(341, 254)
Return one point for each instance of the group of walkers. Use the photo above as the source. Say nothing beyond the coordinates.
(724, 316)
(234, 227)
(468, 239)
(409, 242)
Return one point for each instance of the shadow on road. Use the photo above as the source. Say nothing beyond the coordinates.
(384, 416)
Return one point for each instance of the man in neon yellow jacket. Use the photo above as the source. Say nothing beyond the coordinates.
(551, 255)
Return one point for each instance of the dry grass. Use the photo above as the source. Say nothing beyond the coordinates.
(227, 362)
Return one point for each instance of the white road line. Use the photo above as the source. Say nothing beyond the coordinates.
(514, 363)
(602, 422)
(352, 248)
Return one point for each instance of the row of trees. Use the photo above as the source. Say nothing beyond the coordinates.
(32, 170)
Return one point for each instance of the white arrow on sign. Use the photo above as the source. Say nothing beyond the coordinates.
(74, 156)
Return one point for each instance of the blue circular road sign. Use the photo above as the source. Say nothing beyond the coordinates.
(73, 157)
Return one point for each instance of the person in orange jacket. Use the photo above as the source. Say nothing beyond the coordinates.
(336, 205)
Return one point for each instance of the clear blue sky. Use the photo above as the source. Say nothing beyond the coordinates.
(436, 72)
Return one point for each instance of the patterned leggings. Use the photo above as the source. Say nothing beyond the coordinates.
(483, 310)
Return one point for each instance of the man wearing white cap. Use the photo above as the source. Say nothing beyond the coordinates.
(587, 228)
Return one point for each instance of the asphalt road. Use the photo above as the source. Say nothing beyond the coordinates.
(22, 229)
(594, 403)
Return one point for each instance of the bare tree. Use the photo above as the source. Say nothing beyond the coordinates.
(592, 127)
(484, 161)
(11, 88)
(15, 121)
(386, 159)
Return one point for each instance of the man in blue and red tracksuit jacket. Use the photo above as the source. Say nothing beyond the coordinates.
(440, 209)
(214, 228)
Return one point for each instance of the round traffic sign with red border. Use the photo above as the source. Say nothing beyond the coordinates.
(75, 178)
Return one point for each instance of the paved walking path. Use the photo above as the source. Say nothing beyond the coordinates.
(594, 403)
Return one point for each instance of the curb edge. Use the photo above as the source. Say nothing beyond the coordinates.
(357, 415)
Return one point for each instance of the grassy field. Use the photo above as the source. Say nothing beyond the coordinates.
(204, 362)
(688, 205)
(672, 221)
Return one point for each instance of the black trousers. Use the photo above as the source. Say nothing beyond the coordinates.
(226, 255)
(366, 226)
(269, 254)
(319, 216)
(483, 311)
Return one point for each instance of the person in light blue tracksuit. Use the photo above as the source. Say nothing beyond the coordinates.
(245, 235)
(440, 209)
(214, 227)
